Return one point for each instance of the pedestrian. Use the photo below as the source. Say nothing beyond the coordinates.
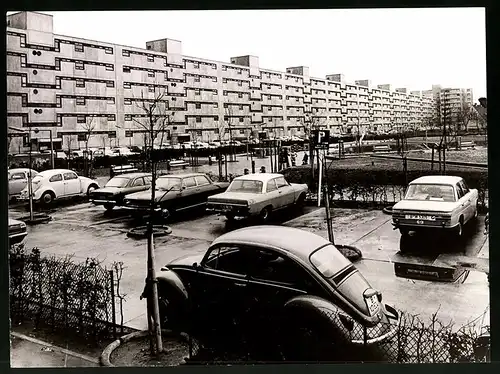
(293, 157)
(262, 169)
(305, 159)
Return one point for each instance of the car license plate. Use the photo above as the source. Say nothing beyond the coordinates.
(420, 217)
(373, 304)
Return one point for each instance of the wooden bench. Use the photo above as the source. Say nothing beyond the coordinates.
(381, 148)
(178, 164)
(122, 169)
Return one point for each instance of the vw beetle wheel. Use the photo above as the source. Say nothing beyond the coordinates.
(47, 198)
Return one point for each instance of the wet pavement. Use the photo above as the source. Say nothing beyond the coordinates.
(29, 353)
(88, 231)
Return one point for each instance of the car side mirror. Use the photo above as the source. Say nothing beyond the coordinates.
(195, 265)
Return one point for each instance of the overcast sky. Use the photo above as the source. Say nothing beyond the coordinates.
(411, 48)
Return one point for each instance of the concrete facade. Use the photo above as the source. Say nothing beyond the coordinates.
(69, 86)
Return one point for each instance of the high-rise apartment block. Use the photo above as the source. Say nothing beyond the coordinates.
(61, 83)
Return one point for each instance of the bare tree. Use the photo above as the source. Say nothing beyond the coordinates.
(154, 121)
(88, 127)
(229, 120)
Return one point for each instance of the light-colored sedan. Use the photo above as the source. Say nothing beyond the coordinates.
(18, 179)
(56, 184)
(435, 202)
(17, 231)
(257, 195)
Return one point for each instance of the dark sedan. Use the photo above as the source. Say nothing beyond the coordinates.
(17, 231)
(279, 285)
(113, 193)
(176, 192)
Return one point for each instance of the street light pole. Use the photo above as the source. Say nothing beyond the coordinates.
(51, 150)
(30, 187)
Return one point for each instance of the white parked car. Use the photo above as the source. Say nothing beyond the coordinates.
(56, 184)
(435, 202)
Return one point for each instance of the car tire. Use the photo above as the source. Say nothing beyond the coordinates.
(459, 231)
(230, 217)
(300, 203)
(404, 231)
(47, 198)
(91, 188)
(109, 207)
(265, 214)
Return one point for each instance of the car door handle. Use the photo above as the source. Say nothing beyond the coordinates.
(240, 284)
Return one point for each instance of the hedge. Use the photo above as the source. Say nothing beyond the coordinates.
(373, 185)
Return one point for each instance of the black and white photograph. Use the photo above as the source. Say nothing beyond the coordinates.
(334, 160)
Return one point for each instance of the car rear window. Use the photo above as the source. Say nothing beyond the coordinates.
(430, 192)
(328, 260)
(118, 182)
(245, 186)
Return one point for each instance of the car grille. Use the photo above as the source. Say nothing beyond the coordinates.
(102, 196)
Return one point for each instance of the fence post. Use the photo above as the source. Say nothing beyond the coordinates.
(113, 309)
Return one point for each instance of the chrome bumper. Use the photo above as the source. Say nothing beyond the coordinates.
(99, 201)
(391, 313)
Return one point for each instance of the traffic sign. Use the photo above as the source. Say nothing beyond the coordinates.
(321, 139)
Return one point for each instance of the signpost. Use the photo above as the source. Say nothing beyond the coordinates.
(320, 141)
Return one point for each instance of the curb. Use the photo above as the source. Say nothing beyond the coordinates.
(37, 218)
(56, 348)
(140, 232)
(106, 353)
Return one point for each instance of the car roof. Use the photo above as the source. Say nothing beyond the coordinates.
(20, 170)
(184, 175)
(132, 175)
(264, 177)
(51, 172)
(437, 179)
(290, 240)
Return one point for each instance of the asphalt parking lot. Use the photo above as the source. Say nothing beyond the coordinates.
(84, 230)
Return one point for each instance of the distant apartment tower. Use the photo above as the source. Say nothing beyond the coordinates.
(63, 84)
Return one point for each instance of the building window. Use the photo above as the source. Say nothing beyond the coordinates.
(126, 69)
(125, 53)
(214, 79)
(198, 106)
(240, 83)
(78, 48)
(151, 59)
(240, 95)
(127, 85)
(151, 74)
(269, 119)
(127, 101)
(225, 105)
(269, 109)
(80, 83)
(151, 88)
(216, 118)
(241, 119)
(110, 67)
(224, 68)
(111, 117)
(108, 50)
(197, 92)
(128, 117)
(80, 101)
(110, 84)
(196, 65)
(198, 119)
(110, 100)
(196, 78)
(80, 119)
(216, 105)
(79, 65)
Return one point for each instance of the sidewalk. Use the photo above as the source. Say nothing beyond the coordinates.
(28, 352)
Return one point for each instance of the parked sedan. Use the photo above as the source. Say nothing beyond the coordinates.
(57, 184)
(176, 192)
(18, 179)
(113, 193)
(277, 285)
(435, 202)
(257, 195)
(17, 231)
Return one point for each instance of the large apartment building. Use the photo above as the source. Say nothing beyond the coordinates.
(68, 85)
